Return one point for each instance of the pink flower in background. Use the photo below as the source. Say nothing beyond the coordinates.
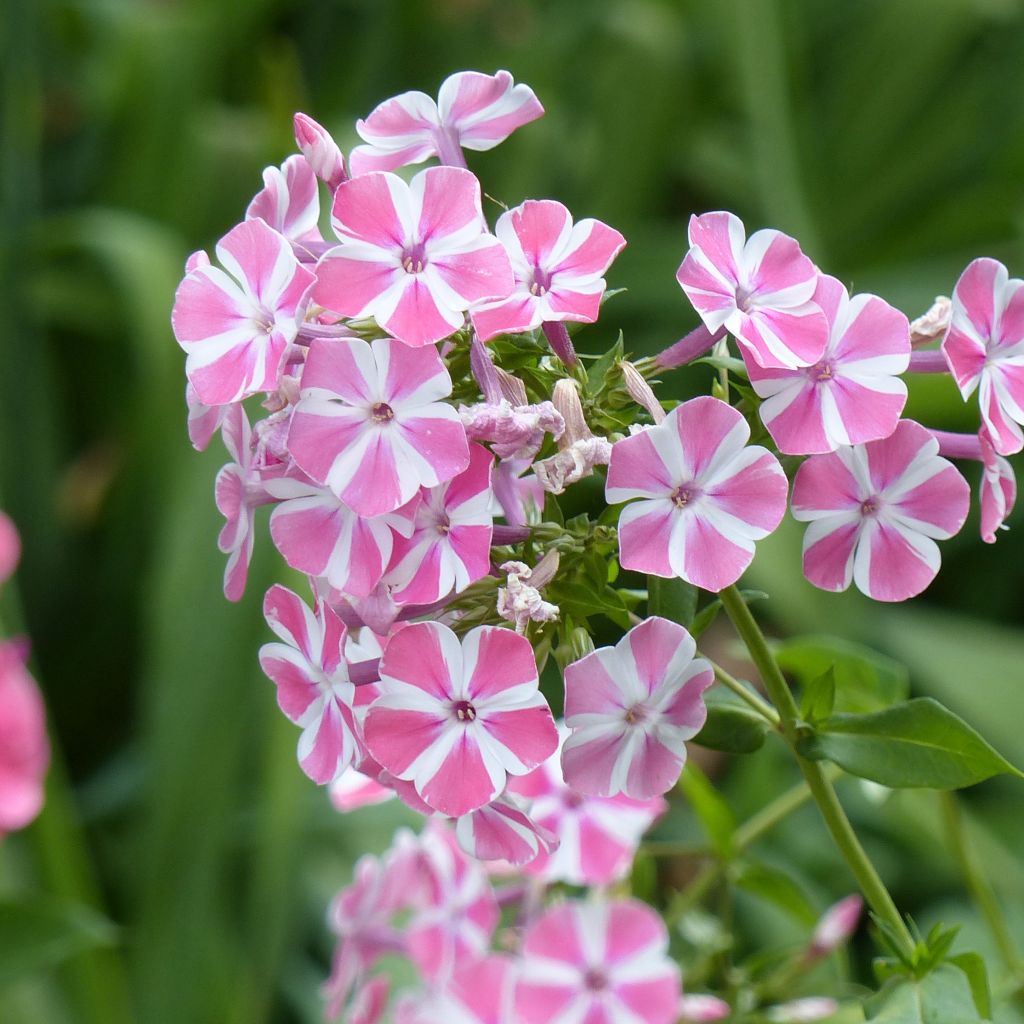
(808, 1010)
(836, 925)
(320, 535)
(457, 718)
(449, 545)
(473, 111)
(853, 393)
(237, 326)
(503, 831)
(413, 256)
(602, 963)
(874, 510)
(478, 992)
(998, 490)
(985, 349)
(759, 289)
(702, 1009)
(707, 496)
(352, 790)
(372, 425)
(559, 269)
(320, 150)
(311, 675)
(10, 547)
(630, 709)
(289, 201)
(24, 747)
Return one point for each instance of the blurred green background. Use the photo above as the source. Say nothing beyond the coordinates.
(887, 135)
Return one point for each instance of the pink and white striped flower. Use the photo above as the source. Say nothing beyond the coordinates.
(320, 535)
(413, 256)
(998, 490)
(875, 512)
(853, 393)
(352, 790)
(237, 326)
(707, 496)
(320, 150)
(203, 420)
(759, 289)
(289, 201)
(630, 708)
(603, 963)
(473, 111)
(559, 269)
(457, 718)
(478, 992)
(371, 425)
(448, 546)
(311, 675)
(985, 348)
(502, 830)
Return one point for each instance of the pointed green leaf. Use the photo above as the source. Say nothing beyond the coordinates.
(977, 977)
(731, 725)
(942, 997)
(776, 887)
(672, 599)
(819, 697)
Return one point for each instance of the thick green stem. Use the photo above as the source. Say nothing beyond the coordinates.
(818, 782)
(762, 707)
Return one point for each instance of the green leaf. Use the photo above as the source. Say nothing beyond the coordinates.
(731, 725)
(600, 368)
(703, 619)
(714, 813)
(864, 679)
(776, 887)
(819, 697)
(977, 977)
(40, 934)
(915, 744)
(942, 997)
(672, 599)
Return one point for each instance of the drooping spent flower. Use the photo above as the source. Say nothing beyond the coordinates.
(707, 496)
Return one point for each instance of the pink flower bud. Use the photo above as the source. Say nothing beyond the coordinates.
(700, 1009)
(803, 1011)
(837, 924)
(320, 151)
(640, 391)
(10, 547)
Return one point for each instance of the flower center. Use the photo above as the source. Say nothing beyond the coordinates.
(382, 413)
(821, 372)
(637, 714)
(871, 506)
(414, 259)
(684, 494)
(464, 711)
(443, 525)
(744, 299)
(572, 799)
(595, 979)
(541, 282)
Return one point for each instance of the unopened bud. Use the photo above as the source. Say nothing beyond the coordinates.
(566, 399)
(640, 391)
(837, 924)
(933, 324)
(700, 1009)
(513, 390)
(320, 150)
(803, 1011)
(580, 643)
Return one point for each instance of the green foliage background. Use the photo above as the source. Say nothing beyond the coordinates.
(888, 135)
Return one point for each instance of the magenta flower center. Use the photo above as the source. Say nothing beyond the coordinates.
(821, 371)
(871, 506)
(744, 298)
(572, 799)
(414, 259)
(382, 413)
(684, 495)
(637, 714)
(541, 281)
(595, 979)
(464, 711)
(444, 525)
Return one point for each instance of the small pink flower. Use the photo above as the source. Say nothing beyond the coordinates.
(802, 1011)
(630, 709)
(874, 510)
(320, 150)
(597, 962)
(449, 545)
(702, 1009)
(311, 675)
(457, 718)
(413, 256)
(478, 992)
(371, 424)
(473, 111)
(836, 925)
(24, 747)
(759, 289)
(853, 393)
(707, 496)
(559, 269)
(998, 490)
(236, 329)
(502, 830)
(203, 420)
(985, 348)
(289, 201)
(10, 547)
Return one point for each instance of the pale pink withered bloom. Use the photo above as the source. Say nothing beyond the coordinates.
(985, 348)
(602, 963)
(289, 201)
(513, 432)
(998, 490)
(808, 1010)
(875, 511)
(10, 547)
(853, 393)
(413, 256)
(630, 708)
(836, 925)
(707, 496)
(449, 545)
(311, 675)
(702, 1009)
(457, 718)
(237, 326)
(559, 269)
(372, 424)
(473, 111)
(598, 836)
(320, 150)
(24, 747)
(759, 289)
(320, 535)
(503, 830)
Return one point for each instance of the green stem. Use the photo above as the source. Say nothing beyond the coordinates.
(979, 886)
(761, 706)
(817, 781)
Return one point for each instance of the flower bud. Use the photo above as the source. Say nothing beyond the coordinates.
(803, 1011)
(837, 924)
(320, 150)
(640, 391)
(700, 1009)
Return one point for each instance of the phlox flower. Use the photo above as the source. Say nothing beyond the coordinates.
(449, 543)
(237, 326)
(516, 496)
(707, 496)
(371, 424)
(603, 963)
(502, 830)
(24, 747)
(10, 547)
(702, 1009)
(478, 992)
(473, 111)
(630, 708)
(836, 925)
(985, 349)
(559, 269)
(808, 1010)
(853, 393)
(998, 490)
(289, 201)
(874, 510)
(759, 289)
(203, 420)
(513, 431)
(320, 150)
(352, 790)
(457, 718)
(413, 256)
(311, 675)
